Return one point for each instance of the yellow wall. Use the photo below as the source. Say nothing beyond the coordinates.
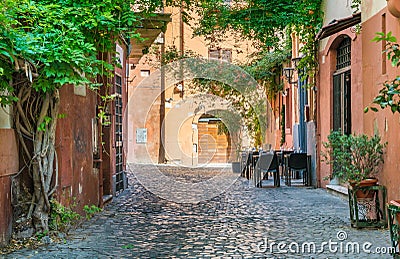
(181, 118)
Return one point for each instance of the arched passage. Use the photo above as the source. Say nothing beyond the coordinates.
(214, 140)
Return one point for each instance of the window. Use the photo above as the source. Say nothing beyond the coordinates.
(342, 88)
(343, 58)
(220, 54)
(119, 162)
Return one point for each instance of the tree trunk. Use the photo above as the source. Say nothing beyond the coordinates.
(35, 121)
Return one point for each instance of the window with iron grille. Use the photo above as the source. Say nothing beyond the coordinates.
(343, 57)
(342, 88)
(118, 135)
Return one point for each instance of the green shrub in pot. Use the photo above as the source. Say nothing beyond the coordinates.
(354, 158)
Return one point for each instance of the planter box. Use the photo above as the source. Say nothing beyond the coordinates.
(369, 211)
(394, 226)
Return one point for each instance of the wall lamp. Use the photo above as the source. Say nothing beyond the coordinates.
(288, 72)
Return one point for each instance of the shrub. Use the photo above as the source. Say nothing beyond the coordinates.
(353, 157)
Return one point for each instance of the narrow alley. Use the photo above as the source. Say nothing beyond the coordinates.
(241, 222)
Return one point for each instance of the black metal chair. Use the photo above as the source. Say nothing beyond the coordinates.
(253, 158)
(281, 160)
(274, 169)
(297, 162)
(262, 165)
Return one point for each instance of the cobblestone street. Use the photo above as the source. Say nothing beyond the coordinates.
(240, 222)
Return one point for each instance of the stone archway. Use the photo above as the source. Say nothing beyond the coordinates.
(191, 132)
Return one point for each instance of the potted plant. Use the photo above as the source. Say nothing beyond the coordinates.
(355, 159)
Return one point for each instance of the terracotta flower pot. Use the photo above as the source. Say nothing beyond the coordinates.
(368, 194)
(394, 7)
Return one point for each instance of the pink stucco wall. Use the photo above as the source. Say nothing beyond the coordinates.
(327, 61)
(384, 122)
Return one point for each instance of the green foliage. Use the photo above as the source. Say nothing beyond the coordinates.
(45, 44)
(389, 94)
(353, 157)
(266, 23)
(40, 235)
(61, 115)
(355, 5)
(229, 82)
(251, 110)
(230, 122)
(222, 128)
(392, 47)
(61, 217)
(91, 210)
(266, 69)
(46, 121)
(172, 54)
(58, 42)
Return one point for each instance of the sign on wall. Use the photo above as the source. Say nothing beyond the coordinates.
(119, 54)
(141, 135)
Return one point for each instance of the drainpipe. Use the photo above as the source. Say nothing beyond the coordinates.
(161, 151)
(302, 124)
(182, 46)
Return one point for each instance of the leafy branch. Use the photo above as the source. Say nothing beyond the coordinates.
(389, 95)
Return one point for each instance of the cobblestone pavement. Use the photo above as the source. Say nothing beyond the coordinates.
(241, 222)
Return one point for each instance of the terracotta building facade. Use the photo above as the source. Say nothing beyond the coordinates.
(376, 69)
(352, 69)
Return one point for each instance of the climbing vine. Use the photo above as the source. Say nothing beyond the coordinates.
(266, 23)
(249, 109)
(45, 45)
(266, 69)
